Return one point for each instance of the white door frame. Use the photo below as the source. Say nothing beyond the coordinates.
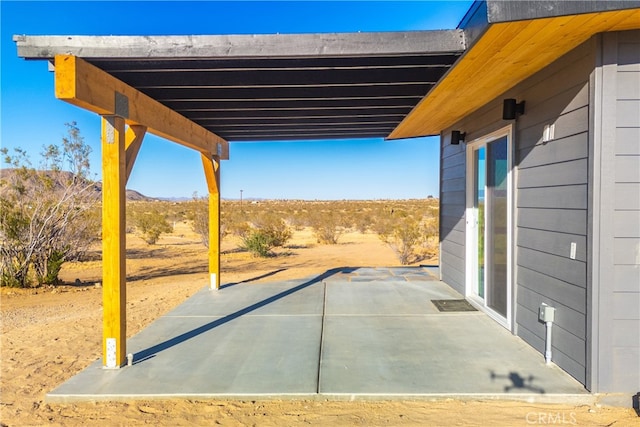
(471, 224)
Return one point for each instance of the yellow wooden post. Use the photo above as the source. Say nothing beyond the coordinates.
(113, 242)
(211, 166)
(82, 84)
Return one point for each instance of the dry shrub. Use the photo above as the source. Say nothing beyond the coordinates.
(47, 215)
(274, 227)
(402, 232)
(411, 234)
(199, 217)
(327, 226)
(151, 224)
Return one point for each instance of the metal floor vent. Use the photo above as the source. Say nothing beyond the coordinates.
(450, 305)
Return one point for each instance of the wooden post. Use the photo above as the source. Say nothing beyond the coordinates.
(113, 242)
(84, 85)
(211, 166)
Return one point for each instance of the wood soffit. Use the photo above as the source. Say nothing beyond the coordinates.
(506, 54)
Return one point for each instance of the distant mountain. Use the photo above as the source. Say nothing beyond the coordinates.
(136, 196)
(132, 195)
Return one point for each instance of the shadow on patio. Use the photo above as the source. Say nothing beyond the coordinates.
(357, 332)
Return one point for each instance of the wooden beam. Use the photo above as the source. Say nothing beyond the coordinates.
(87, 86)
(133, 141)
(211, 166)
(225, 46)
(113, 242)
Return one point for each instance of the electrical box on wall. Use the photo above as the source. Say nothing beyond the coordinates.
(547, 313)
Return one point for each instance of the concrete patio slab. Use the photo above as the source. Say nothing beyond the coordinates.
(389, 297)
(323, 336)
(432, 354)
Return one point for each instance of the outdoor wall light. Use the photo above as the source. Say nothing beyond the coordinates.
(457, 137)
(510, 108)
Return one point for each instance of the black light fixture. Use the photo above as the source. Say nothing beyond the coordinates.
(511, 108)
(457, 137)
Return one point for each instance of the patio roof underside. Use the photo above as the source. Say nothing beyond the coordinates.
(347, 85)
(274, 87)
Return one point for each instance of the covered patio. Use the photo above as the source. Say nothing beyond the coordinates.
(204, 91)
(344, 333)
(350, 333)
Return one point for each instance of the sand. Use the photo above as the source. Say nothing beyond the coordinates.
(49, 334)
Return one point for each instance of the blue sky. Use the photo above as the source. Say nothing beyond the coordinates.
(329, 170)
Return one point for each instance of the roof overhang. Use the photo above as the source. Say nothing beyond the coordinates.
(509, 42)
(273, 87)
(344, 85)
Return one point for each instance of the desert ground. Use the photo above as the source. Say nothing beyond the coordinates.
(51, 333)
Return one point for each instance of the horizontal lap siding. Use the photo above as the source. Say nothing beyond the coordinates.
(552, 207)
(551, 200)
(452, 214)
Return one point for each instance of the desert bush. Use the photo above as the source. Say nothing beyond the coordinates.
(362, 221)
(327, 219)
(239, 228)
(151, 224)
(402, 232)
(266, 232)
(48, 215)
(274, 227)
(53, 266)
(198, 214)
(258, 242)
(430, 246)
(297, 219)
(233, 219)
(410, 228)
(431, 234)
(326, 227)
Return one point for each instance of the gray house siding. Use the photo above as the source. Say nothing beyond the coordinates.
(550, 203)
(615, 312)
(582, 187)
(452, 212)
(552, 207)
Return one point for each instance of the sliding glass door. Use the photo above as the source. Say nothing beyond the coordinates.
(488, 224)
